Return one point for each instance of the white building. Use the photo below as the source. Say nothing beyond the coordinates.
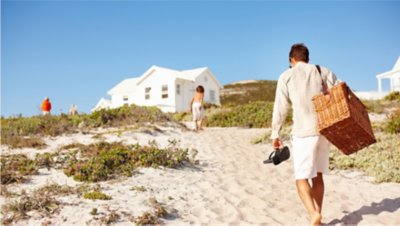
(394, 77)
(168, 89)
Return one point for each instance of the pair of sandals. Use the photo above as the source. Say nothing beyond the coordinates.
(278, 156)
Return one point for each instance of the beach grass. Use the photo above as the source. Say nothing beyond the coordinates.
(20, 132)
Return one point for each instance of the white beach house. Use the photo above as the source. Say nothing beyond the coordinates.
(170, 90)
(394, 77)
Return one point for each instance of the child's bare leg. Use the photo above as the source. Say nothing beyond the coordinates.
(201, 124)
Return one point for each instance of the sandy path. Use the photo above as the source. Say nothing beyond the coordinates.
(237, 188)
(230, 186)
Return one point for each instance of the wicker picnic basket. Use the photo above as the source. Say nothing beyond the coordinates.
(343, 119)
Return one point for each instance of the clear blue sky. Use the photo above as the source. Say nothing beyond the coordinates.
(74, 52)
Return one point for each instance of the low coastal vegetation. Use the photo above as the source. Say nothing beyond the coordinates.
(248, 91)
(19, 132)
(384, 106)
(103, 161)
(380, 160)
(96, 162)
(96, 195)
(42, 200)
(16, 168)
(255, 114)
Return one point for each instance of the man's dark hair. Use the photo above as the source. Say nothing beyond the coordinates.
(200, 89)
(299, 52)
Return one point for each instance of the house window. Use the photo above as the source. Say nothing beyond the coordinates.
(205, 78)
(212, 95)
(147, 93)
(164, 91)
(125, 98)
(178, 89)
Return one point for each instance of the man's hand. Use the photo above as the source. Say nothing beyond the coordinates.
(277, 143)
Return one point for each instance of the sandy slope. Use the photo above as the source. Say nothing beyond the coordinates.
(231, 185)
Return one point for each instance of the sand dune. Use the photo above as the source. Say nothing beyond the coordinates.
(230, 186)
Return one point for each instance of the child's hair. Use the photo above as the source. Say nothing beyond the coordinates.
(200, 89)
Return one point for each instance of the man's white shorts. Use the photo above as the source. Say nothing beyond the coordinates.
(310, 155)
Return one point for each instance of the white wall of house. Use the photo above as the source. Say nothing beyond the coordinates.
(211, 88)
(396, 83)
(169, 90)
(117, 100)
(164, 99)
(183, 98)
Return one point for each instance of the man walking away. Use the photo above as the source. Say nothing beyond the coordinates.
(310, 150)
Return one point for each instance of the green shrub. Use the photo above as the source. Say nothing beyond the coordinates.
(380, 160)
(44, 160)
(238, 94)
(127, 115)
(393, 123)
(96, 195)
(182, 116)
(256, 114)
(393, 96)
(103, 161)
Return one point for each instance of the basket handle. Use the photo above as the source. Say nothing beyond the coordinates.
(348, 93)
(324, 85)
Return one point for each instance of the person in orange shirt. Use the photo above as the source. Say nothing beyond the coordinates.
(46, 106)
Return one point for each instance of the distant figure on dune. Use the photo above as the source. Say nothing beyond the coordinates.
(196, 107)
(46, 106)
(73, 110)
(310, 150)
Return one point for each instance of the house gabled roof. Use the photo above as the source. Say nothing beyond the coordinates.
(129, 85)
(193, 73)
(103, 103)
(153, 69)
(126, 86)
(392, 73)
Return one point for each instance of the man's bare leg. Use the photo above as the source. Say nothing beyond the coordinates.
(318, 191)
(305, 193)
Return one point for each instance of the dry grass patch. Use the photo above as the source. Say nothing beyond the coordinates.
(19, 208)
(152, 217)
(16, 168)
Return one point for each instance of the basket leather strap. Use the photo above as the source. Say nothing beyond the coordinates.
(324, 86)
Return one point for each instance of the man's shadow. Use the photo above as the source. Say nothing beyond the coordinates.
(355, 217)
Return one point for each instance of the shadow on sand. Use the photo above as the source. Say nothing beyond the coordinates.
(355, 217)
